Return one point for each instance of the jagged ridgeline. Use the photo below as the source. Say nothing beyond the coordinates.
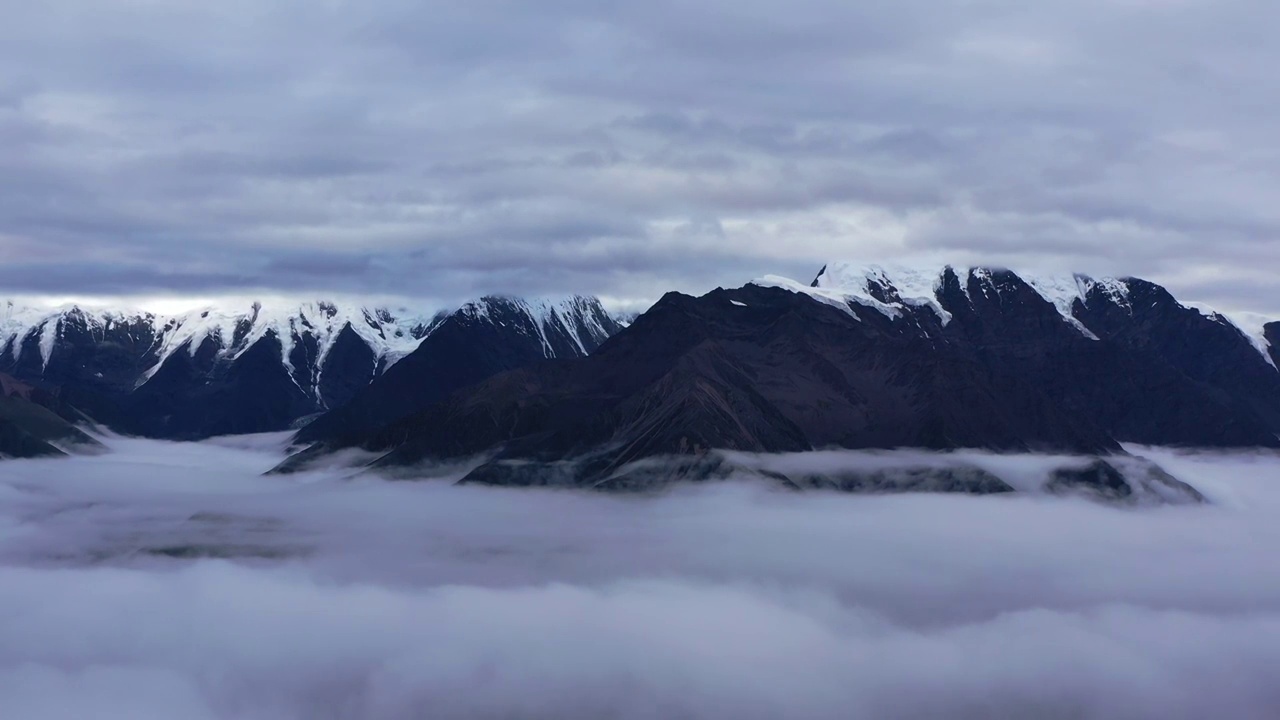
(858, 358)
(270, 366)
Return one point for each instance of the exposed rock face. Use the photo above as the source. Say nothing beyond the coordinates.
(962, 480)
(1098, 477)
(1117, 480)
(964, 358)
(1122, 480)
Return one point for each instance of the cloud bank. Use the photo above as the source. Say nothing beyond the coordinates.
(174, 581)
(440, 151)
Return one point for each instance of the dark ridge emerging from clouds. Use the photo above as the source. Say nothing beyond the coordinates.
(441, 151)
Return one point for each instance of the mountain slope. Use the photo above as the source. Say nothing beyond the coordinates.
(968, 358)
(31, 426)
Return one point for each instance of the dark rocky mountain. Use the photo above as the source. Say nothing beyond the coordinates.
(37, 423)
(267, 368)
(480, 340)
(961, 358)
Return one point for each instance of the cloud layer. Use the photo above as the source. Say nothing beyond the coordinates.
(174, 581)
(439, 151)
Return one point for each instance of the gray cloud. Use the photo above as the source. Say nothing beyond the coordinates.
(626, 150)
(343, 597)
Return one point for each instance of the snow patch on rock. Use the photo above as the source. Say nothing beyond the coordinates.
(826, 297)
(901, 286)
(1251, 325)
(1064, 292)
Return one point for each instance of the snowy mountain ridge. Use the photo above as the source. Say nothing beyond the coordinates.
(231, 329)
(894, 290)
(390, 334)
(861, 357)
(261, 366)
(21, 321)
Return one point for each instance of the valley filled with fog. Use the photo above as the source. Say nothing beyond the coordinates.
(168, 580)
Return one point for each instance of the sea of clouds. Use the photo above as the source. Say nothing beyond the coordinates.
(175, 581)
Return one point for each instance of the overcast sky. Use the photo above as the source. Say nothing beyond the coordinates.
(441, 150)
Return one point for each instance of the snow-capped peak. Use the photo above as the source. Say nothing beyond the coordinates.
(20, 321)
(827, 297)
(900, 287)
(893, 289)
(579, 319)
(890, 290)
(390, 334)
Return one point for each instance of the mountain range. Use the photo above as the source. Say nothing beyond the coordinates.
(859, 358)
(263, 368)
(540, 392)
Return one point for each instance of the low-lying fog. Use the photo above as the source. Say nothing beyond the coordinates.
(175, 581)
